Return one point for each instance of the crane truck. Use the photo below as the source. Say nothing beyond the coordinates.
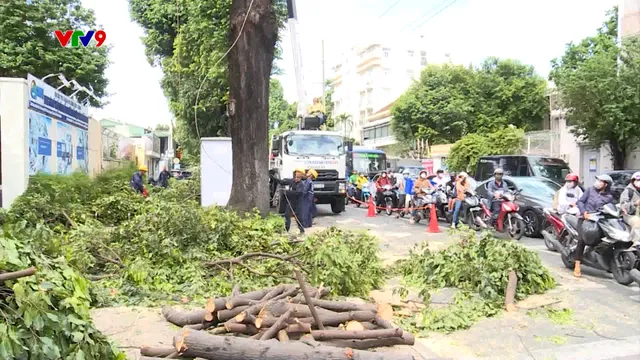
(308, 147)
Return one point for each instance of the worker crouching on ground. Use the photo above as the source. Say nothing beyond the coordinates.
(293, 199)
(137, 183)
(308, 198)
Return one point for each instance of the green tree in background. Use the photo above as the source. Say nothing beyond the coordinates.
(28, 43)
(450, 101)
(188, 39)
(598, 84)
(466, 152)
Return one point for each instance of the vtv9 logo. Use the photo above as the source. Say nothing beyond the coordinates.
(78, 37)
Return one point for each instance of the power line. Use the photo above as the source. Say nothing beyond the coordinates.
(389, 9)
(434, 15)
(424, 15)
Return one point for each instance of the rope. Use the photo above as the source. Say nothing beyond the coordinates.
(393, 209)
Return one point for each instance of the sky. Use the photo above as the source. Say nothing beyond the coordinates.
(533, 32)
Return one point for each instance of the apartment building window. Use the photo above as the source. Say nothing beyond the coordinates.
(423, 58)
(386, 52)
(410, 52)
(362, 113)
(369, 111)
(384, 131)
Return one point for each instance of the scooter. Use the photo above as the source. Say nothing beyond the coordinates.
(365, 194)
(509, 220)
(390, 199)
(614, 251)
(441, 203)
(471, 211)
(423, 200)
(563, 228)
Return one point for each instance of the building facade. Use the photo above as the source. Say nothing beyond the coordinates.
(43, 131)
(369, 78)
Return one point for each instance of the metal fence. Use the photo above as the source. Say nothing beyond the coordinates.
(544, 143)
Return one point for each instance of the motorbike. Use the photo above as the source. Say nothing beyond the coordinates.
(423, 200)
(365, 194)
(614, 252)
(390, 199)
(563, 228)
(352, 191)
(471, 211)
(509, 220)
(441, 203)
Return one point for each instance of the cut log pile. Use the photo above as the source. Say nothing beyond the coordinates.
(284, 322)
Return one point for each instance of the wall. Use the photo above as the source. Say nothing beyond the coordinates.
(95, 147)
(14, 135)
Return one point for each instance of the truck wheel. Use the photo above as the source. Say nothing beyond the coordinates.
(337, 206)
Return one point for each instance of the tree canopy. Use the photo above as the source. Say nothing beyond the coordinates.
(598, 84)
(466, 152)
(188, 40)
(450, 101)
(29, 46)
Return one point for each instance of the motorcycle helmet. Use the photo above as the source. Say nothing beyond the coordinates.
(423, 172)
(571, 177)
(606, 179)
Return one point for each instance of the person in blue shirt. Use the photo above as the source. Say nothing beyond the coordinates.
(136, 180)
(408, 189)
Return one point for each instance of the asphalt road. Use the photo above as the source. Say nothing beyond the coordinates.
(605, 314)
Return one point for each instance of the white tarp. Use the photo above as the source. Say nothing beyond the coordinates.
(215, 171)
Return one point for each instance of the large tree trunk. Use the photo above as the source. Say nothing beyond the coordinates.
(618, 154)
(250, 62)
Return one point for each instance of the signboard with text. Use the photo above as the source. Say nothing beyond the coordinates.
(51, 102)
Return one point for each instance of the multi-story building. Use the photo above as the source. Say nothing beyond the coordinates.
(370, 78)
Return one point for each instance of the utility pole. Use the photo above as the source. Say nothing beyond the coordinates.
(324, 105)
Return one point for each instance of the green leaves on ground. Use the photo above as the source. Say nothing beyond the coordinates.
(466, 152)
(480, 270)
(451, 101)
(45, 316)
(598, 84)
(29, 46)
(161, 248)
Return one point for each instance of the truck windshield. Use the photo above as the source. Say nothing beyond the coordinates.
(369, 162)
(311, 144)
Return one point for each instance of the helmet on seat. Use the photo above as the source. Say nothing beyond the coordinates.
(571, 177)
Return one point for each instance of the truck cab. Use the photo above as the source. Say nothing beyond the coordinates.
(324, 151)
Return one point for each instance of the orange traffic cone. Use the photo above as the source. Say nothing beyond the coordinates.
(433, 221)
(372, 208)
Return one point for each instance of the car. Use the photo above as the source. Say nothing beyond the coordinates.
(180, 174)
(621, 179)
(536, 194)
(551, 168)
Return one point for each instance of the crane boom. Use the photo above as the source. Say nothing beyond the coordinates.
(297, 57)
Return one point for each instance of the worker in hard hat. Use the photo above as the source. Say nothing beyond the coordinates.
(308, 199)
(293, 198)
(137, 182)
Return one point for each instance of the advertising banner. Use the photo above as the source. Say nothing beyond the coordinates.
(49, 101)
(64, 148)
(40, 143)
(82, 151)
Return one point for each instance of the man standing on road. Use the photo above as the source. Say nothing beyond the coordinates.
(293, 199)
(308, 199)
(163, 178)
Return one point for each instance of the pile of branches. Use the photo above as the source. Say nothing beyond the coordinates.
(246, 326)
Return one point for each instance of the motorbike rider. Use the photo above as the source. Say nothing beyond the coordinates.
(362, 179)
(440, 180)
(351, 191)
(593, 199)
(419, 184)
(568, 195)
(630, 197)
(462, 185)
(497, 186)
(382, 180)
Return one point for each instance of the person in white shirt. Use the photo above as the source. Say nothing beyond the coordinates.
(568, 195)
(440, 180)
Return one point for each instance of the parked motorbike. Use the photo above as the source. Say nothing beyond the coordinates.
(390, 199)
(509, 220)
(614, 251)
(421, 203)
(563, 228)
(365, 194)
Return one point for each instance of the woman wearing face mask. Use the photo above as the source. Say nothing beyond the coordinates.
(630, 197)
(593, 199)
(568, 195)
(380, 183)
